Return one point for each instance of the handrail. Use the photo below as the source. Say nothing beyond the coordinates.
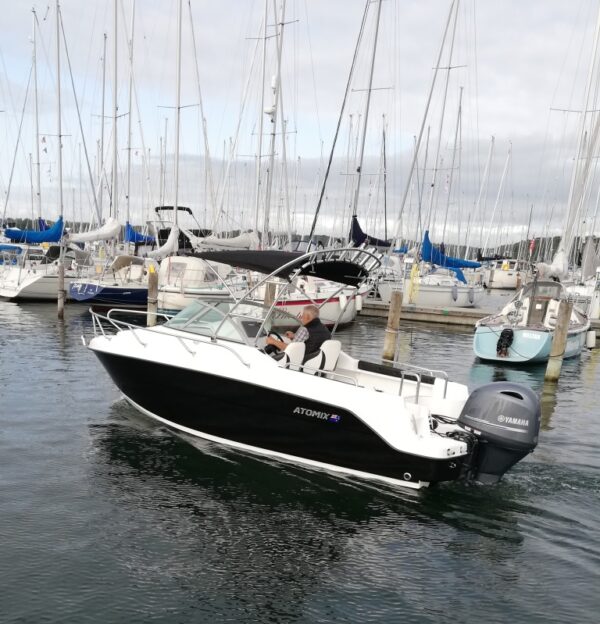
(118, 325)
(432, 372)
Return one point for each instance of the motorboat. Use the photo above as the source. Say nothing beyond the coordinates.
(523, 330)
(206, 373)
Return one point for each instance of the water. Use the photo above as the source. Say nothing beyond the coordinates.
(106, 517)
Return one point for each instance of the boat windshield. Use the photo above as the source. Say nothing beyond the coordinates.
(543, 290)
(220, 319)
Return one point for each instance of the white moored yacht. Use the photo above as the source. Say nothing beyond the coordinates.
(205, 372)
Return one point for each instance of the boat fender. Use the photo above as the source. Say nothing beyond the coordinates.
(590, 339)
(454, 292)
(343, 301)
(504, 342)
(471, 295)
(359, 303)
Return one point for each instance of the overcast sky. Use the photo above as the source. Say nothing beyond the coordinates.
(514, 60)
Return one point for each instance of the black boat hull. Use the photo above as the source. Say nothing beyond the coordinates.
(268, 421)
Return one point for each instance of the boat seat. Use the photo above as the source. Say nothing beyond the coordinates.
(293, 355)
(325, 360)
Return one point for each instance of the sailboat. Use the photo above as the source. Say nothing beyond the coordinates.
(522, 332)
(440, 281)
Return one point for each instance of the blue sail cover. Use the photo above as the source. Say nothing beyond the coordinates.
(51, 235)
(131, 236)
(42, 225)
(430, 254)
(358, 237)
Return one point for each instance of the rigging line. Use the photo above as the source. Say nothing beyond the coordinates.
(339, 122)
(221, 198)
(85, 149)
(145, 158)
(421, 130)
(12, 169)
(312, 68)
(207, 159)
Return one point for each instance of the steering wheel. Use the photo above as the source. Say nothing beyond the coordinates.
(272, 349)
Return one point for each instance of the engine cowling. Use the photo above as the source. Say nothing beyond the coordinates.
(505, 419)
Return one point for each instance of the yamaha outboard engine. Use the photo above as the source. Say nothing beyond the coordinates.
(504, 417)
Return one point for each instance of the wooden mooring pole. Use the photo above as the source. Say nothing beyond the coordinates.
(60, 296)
(559, 341)
(152, 296)
(393, 323)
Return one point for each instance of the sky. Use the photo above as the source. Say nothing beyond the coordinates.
(519, 66)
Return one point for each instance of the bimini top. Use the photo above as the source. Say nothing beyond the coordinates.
(349, 266)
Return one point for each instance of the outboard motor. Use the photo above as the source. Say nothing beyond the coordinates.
(505, 418)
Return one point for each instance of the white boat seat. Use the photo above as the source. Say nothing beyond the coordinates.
(326, 358)
(293, 355)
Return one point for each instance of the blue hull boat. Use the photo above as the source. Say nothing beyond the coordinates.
(98, 293)
(522, 332)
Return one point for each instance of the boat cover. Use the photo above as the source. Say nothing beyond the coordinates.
(111, 229)
(32, 237)
(12, 248)
(270, 261)
(131, 236)
(430, 254)
(171, 246)
(246, 240)
(358, 237)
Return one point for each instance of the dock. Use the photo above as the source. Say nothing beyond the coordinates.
(466, 317)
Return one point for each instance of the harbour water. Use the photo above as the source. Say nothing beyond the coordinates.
(107, 517)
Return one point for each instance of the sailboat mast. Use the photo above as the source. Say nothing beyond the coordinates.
(422, 129)
(130, 113)
(437, 163)
(384, 185)
(273, 112)
(453, 162)
(260, 119)
(38, 185)
(113, 207)
(177, 111)
(102, 113)
(59, 120)
(367, 108)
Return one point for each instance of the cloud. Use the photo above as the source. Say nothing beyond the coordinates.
(515, 61)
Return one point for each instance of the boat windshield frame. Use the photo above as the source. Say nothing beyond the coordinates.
(243, 326)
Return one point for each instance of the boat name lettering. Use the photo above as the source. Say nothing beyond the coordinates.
(531, 335)
(305, 411)
(512, 421)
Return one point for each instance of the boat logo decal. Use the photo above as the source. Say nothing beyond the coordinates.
(305, 411)
(512, 421)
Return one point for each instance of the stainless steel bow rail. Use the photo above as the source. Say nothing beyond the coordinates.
(120, 325)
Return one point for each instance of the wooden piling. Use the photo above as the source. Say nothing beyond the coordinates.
(152, 296)
(60, 295)
(559, 341)
(393, 323)
(270, 291)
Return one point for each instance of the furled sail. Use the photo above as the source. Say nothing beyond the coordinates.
(131, 236)
(358, 237)
(32, 237)
(111, 229)
(171, 246)
(246, 240)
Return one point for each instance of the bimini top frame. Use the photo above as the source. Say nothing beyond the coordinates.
(348, 266)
